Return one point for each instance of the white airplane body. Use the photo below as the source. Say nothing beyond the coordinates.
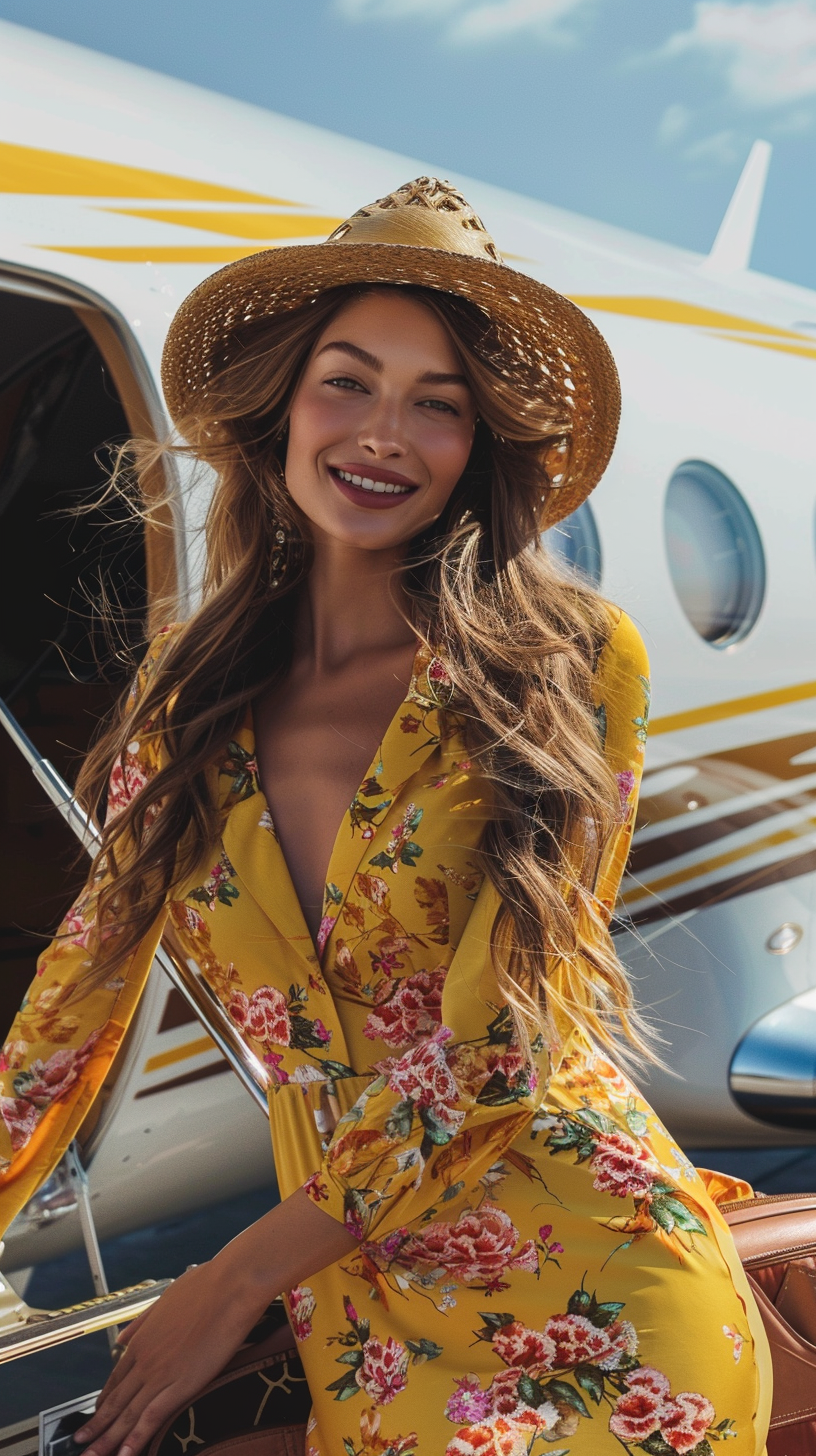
(121, 190)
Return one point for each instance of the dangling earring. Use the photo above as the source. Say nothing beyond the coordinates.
(279, 562)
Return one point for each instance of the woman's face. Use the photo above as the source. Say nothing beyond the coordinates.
(381, 425)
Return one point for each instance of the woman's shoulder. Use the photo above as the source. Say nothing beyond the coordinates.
(621, 689)
(623, 655)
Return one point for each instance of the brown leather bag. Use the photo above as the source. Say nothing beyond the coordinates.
(776, 1241)
(258, 1406)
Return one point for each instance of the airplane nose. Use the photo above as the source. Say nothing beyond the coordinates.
(773, 1070)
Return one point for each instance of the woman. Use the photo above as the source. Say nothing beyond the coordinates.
(487, 1242)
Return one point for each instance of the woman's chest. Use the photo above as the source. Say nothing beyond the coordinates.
(314, 743)
(403, 875)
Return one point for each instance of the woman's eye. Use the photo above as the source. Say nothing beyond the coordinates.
(442, 405)
(343, 382)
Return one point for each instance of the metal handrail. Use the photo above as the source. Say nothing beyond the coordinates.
(182, 974)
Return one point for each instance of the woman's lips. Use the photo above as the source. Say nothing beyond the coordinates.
(374, 491)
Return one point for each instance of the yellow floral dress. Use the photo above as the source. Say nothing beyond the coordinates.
(539, 1269)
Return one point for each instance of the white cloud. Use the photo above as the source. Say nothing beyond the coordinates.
(673, 123)
(767, 51)
(507, 17)
(722, 149)
(470, 21)
(394, 9)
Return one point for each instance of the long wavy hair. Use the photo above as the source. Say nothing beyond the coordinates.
(519, 638)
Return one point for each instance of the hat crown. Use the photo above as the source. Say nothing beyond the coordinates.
(425, 213)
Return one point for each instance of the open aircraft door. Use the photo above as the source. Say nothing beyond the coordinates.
(73, 385)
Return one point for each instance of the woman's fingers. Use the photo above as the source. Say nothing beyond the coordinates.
(150, 1421)
(119, 1429)
(113, 1400)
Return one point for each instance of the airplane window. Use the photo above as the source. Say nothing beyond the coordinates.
(716, 560)
(576, 543)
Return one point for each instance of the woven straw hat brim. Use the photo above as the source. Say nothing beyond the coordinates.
(544, 333)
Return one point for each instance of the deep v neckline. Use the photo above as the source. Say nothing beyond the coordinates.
(251, 840)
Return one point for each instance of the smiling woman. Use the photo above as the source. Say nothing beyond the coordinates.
(381, 785)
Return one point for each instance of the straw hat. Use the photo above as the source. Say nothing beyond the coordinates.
(425, 233)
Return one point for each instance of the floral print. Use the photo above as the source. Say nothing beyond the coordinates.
(553, 1378)
(301, 1306)
(490, 1193)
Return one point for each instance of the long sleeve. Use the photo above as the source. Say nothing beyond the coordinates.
(63, 1039)
(439, 1116)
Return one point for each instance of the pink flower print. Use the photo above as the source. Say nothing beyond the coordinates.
(273, 1061)
(78, 927)
(45, 1082)
(263, 1015)
(20, 1117)
(685, 1420)
(412, 1012)
(321, 1031)
(626, 787)
(301, 1309)
(478, 1248)
(316, 1189)
(578, 1342)
(349, 1310)
(324, 931)
(438, 673)
(384, 1371)
(636, 1415)
(423, 1075)
(13, 1055)
(192, 921)
(506, 1401)
(127, 779)
(469, 1402)
(527, 1258)
(647, 1378)
(621, 1166)
(517, 1345)
(499, 1437)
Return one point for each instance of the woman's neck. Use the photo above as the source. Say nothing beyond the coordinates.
(353, 603)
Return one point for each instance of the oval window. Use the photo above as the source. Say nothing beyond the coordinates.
(576, 543)
(716, 561)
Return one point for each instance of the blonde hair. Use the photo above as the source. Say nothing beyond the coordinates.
(519, 639)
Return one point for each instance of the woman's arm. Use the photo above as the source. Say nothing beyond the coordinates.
(173, 1350)
(70, 1026)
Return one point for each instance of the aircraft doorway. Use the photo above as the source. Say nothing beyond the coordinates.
(59, 408)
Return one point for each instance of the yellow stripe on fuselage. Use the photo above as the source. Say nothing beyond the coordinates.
(675, 311)
(718, 861)
(261, 225)
(732, 708)
(180, 1053)
(60, 174)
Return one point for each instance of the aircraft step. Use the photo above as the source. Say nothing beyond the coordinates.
(30, 1330)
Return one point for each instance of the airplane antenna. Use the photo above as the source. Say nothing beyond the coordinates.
(731, 252)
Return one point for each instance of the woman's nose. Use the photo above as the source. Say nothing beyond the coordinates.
(381, 432)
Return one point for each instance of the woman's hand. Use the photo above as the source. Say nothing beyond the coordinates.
(170, 1353)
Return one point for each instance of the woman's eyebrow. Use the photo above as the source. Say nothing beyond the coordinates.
(432, 378)
(361, 355)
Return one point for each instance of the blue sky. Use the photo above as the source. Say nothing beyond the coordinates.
(636, 112)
